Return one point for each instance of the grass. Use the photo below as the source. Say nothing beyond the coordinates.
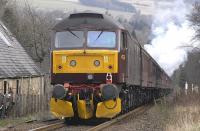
(175, 113)
(182, 113)
(15, 121)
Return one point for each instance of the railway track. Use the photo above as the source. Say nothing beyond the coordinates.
(61, 125)
(135, 112)
(49, 127)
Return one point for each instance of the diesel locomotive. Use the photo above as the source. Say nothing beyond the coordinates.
(99, 70)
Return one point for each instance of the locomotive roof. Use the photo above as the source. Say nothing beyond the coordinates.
(88, 20)
(14, 61)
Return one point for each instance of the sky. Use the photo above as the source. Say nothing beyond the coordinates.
(78, 0)
(170, 29)
(72, 0)
(171, 32)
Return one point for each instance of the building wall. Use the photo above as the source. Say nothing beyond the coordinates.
(32, 86)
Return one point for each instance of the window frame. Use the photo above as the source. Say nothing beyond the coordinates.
(116, 40)
(124, 45)
(54, 40)
(53, 47)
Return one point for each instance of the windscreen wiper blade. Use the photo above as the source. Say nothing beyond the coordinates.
(99, 35)
(72, 33)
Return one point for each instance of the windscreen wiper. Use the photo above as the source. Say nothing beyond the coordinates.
(72, 33)
(99, 35)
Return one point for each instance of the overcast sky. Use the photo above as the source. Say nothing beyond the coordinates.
(170, 28)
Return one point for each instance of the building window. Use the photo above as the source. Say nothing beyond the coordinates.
(4, 87)
(17, 87)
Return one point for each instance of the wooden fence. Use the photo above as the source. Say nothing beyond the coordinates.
(18, 105)
(29, 104)
(25, 105)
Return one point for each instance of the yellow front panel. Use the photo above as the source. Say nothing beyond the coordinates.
(83, 111)
(108, 109)
(85, 61)
(60, 108)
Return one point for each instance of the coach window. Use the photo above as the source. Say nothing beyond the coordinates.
(123, 43)
(4, 87)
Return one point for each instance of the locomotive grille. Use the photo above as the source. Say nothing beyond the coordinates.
(86, 15)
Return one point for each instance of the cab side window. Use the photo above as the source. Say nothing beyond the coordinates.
(123, 43)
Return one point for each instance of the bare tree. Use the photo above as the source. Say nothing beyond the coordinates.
(38, 32)
(32, 28)
(194, 19)
(3, 4)
(192, 67)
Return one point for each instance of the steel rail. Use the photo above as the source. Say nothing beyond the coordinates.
(135, 112)
(50, 126)
(138, 111)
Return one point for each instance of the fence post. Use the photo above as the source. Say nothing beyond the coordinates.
(15, 108)
(4, 107)
(20, 105)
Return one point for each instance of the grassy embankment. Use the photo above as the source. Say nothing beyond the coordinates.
(182, 113)
(20, 120)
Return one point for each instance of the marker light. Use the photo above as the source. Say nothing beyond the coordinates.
(60, 67)
(109, 78)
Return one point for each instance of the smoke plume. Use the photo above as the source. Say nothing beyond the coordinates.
(171, 31)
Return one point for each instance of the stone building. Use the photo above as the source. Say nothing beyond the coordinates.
(18, 72)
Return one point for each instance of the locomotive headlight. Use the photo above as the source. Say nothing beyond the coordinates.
(97, 63)
(73, 63)
(109, 91)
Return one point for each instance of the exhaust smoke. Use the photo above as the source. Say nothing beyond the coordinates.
(171, 31)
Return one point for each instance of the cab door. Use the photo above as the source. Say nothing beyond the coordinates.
(123, 57)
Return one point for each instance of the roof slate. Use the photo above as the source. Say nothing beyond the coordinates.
(14, 61)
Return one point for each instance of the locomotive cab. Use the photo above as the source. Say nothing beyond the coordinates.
(88, 66)
(90, 54)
